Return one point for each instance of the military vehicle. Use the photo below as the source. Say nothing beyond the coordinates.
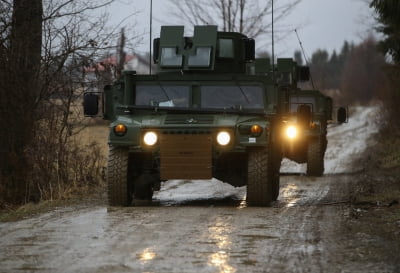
(306, 115)
(211, 110)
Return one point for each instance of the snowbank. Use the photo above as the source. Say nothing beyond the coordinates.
(346, 142)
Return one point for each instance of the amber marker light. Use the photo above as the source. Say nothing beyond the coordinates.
(120, 129)
(223, 138)
(313, 125)
(150, 138)
(291, 132)
(256, 130)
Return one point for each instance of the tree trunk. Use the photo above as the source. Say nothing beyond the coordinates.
(18, 94)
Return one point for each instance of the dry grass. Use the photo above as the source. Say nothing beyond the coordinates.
(94, 134)
(380, 184)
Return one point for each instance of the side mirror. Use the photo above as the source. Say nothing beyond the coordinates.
(342, 115)
(90, 104)
(249, 49)
(156, 50)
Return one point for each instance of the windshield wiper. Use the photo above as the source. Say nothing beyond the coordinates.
(165, 92)
(244, 94)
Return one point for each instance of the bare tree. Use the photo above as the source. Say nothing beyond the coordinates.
(44, 47)
(121, 54)
(251, 17)
(75, 35)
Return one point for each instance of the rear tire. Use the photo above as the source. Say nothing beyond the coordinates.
(117, 177)
(259, 182)
(315, 157)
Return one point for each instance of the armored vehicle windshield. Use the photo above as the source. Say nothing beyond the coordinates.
(210, 96)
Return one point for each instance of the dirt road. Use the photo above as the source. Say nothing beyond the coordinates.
(205, 226)
(303, 232)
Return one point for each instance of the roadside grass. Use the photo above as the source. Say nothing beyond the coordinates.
(11, 214)
(378, 191)
(375, 210)
(92, 135)
(84, 196)
(390, 157)
(381, 180)
(376, 200)
(97, 133)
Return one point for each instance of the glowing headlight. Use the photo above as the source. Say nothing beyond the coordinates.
(291, 132)
(150, 138)
(223, 138)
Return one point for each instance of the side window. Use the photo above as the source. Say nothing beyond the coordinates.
(225, 47)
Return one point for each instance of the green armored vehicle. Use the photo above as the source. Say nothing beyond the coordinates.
(212, 110)
(306, 115)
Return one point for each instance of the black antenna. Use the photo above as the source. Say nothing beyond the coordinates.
(151, 28)
(273, 53)
(305, 57)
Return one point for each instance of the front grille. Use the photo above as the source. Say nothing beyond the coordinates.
(185, 156)
(188, 119)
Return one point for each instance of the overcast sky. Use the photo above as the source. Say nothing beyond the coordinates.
(324, 24)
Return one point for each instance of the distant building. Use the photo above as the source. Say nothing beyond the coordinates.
(139, 64)
(108, 65)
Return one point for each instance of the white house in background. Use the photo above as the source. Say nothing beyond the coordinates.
(132, 62)
(138, 64)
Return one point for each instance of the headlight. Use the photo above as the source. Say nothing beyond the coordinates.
(120, 129)
(150, 138)
(223, 138)
(291, 132)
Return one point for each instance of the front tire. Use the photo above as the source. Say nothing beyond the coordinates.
(117, 177)
(259, 182)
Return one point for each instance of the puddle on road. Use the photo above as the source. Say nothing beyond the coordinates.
(146, 255)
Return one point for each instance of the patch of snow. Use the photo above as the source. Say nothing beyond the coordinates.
(346, 142)
(179, 191)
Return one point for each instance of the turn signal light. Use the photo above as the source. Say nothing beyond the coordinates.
(120, 129)
(313, 125)
(256, 130)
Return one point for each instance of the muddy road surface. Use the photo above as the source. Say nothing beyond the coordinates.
(205, 226)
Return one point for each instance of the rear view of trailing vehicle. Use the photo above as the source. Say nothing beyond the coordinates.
(212, 110)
